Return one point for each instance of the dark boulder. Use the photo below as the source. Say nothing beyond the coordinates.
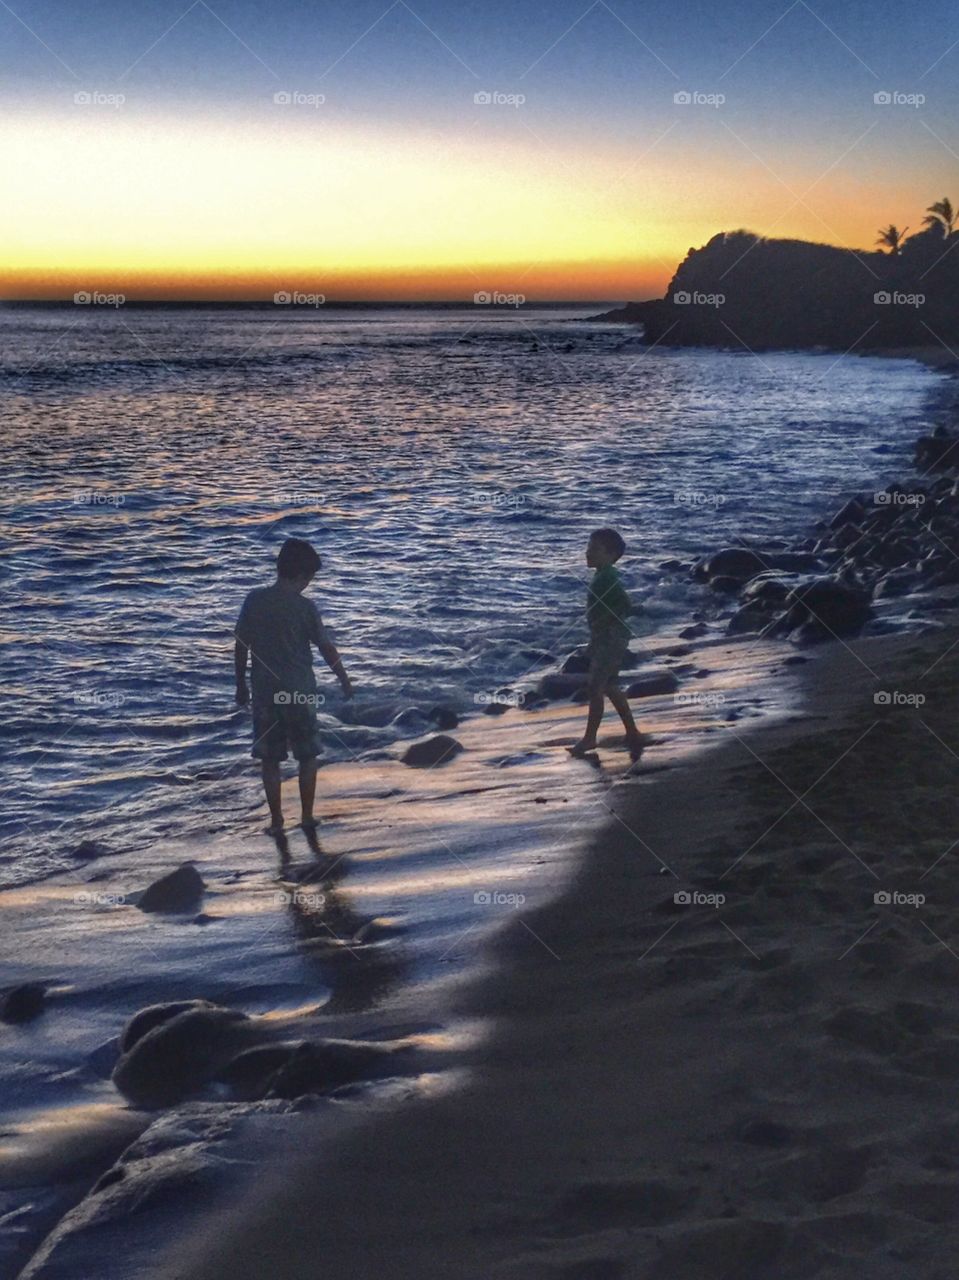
(249, 1075)
(657, 682)
(557, 685)
(181, 890)
(853, 512)
(177, 1058)
(694, 631)
(750, 618)
(23, 1003)
(938, 451)
(328, 1064)
(577, 664)
(828, 607)
(151, 1016)
(443, 717)
(439, 749)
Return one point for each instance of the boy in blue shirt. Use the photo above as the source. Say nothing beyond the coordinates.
(607, 608)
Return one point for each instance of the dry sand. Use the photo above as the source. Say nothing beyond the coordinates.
(760, 1088)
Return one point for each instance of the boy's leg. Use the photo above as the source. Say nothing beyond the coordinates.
(307, 790)
(271, 785)
(597, 705)
(621, 703)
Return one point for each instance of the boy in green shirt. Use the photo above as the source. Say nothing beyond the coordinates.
(607, 608)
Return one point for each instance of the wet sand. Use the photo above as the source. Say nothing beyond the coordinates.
(762, 1087)
(371, 935)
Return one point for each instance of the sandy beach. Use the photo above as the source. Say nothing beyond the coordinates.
(762, 1087)
(752, 1077)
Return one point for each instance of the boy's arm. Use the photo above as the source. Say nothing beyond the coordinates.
(333, 660)
(330, 654)
(240, 656)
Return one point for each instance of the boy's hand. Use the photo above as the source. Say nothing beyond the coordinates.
(346, 686)
(242, 693)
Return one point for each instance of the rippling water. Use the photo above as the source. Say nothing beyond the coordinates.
(448, 464)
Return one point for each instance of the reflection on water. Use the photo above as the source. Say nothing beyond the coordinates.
(448, 465)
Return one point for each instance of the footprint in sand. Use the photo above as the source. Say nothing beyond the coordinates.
(600, 1206)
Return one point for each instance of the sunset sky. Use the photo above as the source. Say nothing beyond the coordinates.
(145, 151)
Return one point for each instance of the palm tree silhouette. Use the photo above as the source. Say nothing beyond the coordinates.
(891, 238)
(941, 214)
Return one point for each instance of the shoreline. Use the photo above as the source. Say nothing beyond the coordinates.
(814, 1130)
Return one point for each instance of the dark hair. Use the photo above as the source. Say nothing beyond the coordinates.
(610, 541)
(297, 559)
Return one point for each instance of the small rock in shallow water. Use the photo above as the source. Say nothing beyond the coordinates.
(90, 849)
(23, 1003)
(439, 749)
(652, 685)
(443, 717)
(175, 1059)
(178, 891)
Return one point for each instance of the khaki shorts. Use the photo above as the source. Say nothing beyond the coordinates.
(282, 727)
(607, 655)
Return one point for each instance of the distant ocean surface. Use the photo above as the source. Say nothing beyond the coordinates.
(447, 463)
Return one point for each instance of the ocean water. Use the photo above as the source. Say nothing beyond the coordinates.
(448, 464)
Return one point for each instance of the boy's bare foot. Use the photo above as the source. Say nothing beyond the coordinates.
(582, 748)
(275, 828)
(636, 743)
(309, 824)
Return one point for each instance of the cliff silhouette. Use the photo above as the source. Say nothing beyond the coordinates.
(742, 290)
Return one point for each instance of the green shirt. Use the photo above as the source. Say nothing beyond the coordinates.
(607, 604)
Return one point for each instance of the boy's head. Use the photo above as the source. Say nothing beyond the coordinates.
(605, 546)
(297, 563)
